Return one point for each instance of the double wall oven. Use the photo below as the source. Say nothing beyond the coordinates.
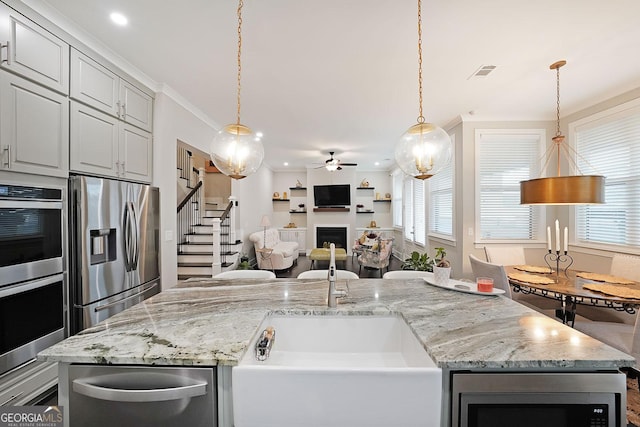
(32, 279)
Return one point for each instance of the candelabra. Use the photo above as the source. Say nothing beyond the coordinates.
(558, 258)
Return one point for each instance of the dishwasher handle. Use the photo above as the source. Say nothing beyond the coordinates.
(87, 387)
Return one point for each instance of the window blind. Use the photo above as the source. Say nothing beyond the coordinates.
(419, 214)
(397, 178)
(414, 211)
(503, 159)
(441, 199)
(609, 146)
(408, 209)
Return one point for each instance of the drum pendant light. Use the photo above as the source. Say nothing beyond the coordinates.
(424, 149)
(236, 150)
(562, 190)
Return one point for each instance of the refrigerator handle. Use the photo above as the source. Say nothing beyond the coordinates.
(127, 237)
(135, 239)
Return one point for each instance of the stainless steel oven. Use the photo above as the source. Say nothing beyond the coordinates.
(33, 308)
(538, 399)
(31, 223)
(32, 318)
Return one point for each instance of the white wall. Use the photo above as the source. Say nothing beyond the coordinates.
(254, 197)
(172, 122)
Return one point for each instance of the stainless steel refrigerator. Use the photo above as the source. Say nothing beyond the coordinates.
(114, 247)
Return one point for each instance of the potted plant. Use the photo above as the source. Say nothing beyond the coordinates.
(418, 261)
(442, 267)
(422, 262)
(244, 265)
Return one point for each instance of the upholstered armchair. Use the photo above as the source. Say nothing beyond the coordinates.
(366, 240)
(377, 257)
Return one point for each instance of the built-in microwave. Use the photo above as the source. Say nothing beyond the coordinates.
(31, 224)
(538, 399)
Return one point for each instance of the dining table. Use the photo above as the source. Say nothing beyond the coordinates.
(574, 287)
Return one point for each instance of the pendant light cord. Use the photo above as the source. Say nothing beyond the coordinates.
(240, 4)
(421, 116)
(558, 133)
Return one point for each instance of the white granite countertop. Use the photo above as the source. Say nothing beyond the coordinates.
(211, 322)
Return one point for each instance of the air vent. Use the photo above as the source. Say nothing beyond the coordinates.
(482, 71)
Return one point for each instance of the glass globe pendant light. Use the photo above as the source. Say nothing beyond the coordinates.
(425, 148)
(236, 150)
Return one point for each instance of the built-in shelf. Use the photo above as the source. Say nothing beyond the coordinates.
(383, 200)
(331, 209)
(280, 200)
(365, 188)
(360, 212)
(294, 211)
(297, 188)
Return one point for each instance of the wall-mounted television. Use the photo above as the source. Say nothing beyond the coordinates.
(332, 195)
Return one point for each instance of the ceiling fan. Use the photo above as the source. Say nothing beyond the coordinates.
(332, 164)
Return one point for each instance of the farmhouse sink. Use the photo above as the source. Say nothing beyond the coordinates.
(331, 370)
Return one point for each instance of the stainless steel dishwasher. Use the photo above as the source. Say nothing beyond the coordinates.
(136, 396)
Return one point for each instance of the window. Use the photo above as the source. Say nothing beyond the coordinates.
(503, 159)
(441, 200)
(607, 144)
(414, 211)
(397, 179)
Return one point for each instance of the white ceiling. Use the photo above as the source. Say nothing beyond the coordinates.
(341, 75)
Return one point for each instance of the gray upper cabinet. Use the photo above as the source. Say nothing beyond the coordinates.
(97, 86)
(103, 145)
(33, 52)
(34, 128)
(136, 106)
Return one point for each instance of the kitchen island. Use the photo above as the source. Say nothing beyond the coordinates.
(211, 322)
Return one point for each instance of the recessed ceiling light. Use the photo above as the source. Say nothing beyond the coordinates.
(119, 19)
(377, 163)
(286, 163)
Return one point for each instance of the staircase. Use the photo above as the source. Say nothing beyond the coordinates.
(207, 243)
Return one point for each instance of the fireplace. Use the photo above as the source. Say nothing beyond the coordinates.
(337, 235)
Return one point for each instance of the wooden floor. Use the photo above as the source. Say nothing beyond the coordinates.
(351, 264)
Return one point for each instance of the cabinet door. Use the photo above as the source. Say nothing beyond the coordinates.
(93, 84)
(32, 51)
(301, 238)
(94, 141)
(34, 128)
(136, 106)
(135, 153)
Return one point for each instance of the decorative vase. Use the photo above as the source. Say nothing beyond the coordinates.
(441, 275)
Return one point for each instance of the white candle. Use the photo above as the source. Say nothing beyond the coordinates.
(549, 238)
(557, 236)
(566, 238)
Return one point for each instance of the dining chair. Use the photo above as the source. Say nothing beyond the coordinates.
(324, 274)
(626, 266)
(505, 255)
(495, 271)
(246, 274)
(622, 265)
(622, 336)
(407, 274)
